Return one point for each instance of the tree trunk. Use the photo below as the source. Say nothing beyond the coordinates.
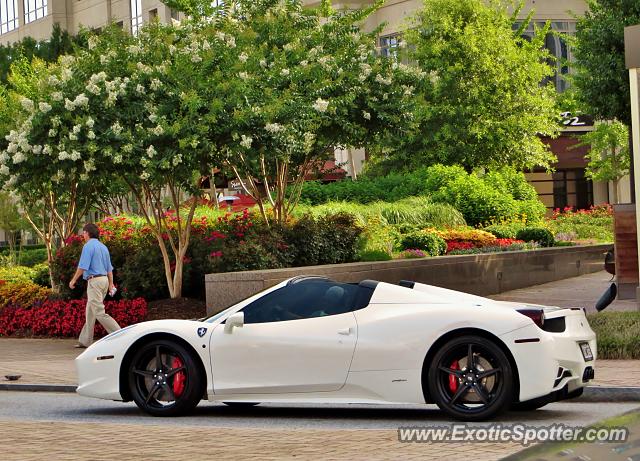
(615, 192)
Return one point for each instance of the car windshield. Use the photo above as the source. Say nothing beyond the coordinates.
(215, 317)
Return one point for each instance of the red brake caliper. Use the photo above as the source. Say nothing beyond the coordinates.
(179, 378)
(453, 379)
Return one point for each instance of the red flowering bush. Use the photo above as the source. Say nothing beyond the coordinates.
(453, 245)
(65, 318)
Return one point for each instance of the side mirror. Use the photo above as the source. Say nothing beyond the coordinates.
(235, 320)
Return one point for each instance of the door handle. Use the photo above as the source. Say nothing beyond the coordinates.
(344, 331)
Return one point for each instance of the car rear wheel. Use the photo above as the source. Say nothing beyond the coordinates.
(164, 379)
(471, 379)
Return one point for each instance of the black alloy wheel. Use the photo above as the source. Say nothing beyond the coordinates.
(471, 379)
(164, 379)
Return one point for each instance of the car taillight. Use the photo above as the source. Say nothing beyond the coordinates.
(537, 315)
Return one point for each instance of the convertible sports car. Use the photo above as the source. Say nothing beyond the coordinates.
(311, 339)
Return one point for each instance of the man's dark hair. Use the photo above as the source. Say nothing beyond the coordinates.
(92, 229)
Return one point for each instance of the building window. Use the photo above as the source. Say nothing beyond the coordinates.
(153, 15)
(175, 14)
(557, 44)
(120, 24)
(563, 188)
(390, 45)
(34, 9)
(8, 15)
(136, 16)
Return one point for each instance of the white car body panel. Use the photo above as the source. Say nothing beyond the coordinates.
(267, 357)
(379, 360)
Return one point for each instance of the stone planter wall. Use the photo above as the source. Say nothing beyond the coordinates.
(483, 274)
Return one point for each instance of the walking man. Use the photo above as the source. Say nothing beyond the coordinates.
(94, 267)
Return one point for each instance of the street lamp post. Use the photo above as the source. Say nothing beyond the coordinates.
(632, 62)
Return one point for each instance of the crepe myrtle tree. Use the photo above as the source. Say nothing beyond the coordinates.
(46, 175)
(129, 109)
(306, 81)
(162, 134)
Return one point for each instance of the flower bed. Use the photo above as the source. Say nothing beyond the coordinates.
(65, 318)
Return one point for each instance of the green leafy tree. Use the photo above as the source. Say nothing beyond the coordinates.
(482, 101)
(49, 50)
(309, 81)
(601, 79)
(609, 153)
(10, 221)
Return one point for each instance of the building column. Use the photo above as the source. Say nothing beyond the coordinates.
(632, 61)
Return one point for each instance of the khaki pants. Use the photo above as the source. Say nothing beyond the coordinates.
(97, 288)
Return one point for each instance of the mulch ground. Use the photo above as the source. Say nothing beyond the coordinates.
(179, 308)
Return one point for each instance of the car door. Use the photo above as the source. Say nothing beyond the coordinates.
(299, 338)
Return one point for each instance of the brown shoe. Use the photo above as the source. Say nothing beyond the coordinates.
(80, 346)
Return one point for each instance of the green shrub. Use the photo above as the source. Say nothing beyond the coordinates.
(41, 275)
(16, 274)
(536, 234)
(476, 200)
(378, 237)
(374, 255)
(431, 243)
(328, 239)
(498, 195)
(31, 257)
(618, 334)
(143, 274)
(507, 230)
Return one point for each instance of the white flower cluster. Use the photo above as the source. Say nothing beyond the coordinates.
(134, 50)
(384, 81)
(246, 141)
(321, 105)
(244, 57)
(107, 57)
(273, 127)
(44, 107)
(27, 104)
(92, 42)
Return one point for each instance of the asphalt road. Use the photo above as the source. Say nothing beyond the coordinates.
(28, 406)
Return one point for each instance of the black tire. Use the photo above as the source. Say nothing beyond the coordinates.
(241, 404)
(475, 393)
(174, 388)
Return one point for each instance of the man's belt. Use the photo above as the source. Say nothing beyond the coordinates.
(95, 276)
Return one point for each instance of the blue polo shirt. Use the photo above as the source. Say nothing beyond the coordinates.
(95, 259)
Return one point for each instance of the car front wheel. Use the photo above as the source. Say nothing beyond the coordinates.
(164, 379)
(471, 379)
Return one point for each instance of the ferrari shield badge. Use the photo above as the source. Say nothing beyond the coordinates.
(202, 331)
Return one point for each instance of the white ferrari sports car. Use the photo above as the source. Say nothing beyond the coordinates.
(310, 339)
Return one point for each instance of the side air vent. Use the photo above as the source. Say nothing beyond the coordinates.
(407, 284)
(561, 375)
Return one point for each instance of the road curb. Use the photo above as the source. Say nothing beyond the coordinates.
(610, 394)
(37, 387)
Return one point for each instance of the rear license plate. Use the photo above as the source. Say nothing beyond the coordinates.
(586, 351)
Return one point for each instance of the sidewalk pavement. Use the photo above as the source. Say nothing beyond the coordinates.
(47, 364)
(582, 291)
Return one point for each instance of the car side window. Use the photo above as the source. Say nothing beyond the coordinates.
(304, 300)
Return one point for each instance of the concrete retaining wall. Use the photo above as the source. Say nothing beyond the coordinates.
(477, 274)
